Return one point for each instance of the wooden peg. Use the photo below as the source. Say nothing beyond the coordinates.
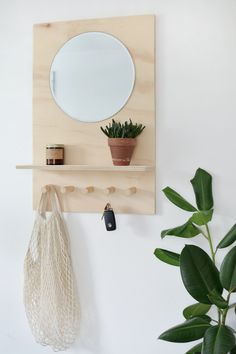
(87, 190)
(131, 190)
(67, 189)
(45, 189)
(109, 190)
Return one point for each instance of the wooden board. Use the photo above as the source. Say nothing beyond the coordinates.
(84, 142)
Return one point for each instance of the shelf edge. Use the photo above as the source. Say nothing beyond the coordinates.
(131, 168)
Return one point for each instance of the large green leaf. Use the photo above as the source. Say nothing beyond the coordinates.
(196, 310)
(195, 350)
(202, 217)
(218, 340)
(186, 230)
(233, 350)
(188, 331)
(202, 186)
(167, 256)
(229, 238)
(217, 299)
(178, 200)
(199, 274)
(228, 271)
(206, 317)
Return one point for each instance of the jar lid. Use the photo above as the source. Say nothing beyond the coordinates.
(53, 146)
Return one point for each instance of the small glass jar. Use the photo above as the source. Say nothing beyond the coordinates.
(55, 154)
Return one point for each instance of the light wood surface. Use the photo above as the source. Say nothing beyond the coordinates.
(85, 144)
(86, 168)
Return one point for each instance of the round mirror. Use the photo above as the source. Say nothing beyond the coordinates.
(92, 76)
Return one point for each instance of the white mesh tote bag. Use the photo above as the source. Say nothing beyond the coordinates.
(50, 294)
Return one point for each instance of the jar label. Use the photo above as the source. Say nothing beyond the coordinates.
(54, 154)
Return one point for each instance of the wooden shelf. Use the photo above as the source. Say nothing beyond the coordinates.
(131, 168)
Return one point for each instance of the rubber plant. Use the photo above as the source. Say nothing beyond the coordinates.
(210, 285)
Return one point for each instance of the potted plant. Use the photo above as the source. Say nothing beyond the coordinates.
(122, 140)
(211, 285)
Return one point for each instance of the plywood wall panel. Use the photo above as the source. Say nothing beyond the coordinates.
(84, 142)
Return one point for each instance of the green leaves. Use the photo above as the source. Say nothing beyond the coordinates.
(186, 230)
(233, 350)
(228, 271)
(122, 130)
(229, 238)
(188, 331)
(218, 340)
(196, 310)
(199, 274)
(167, 256)
(176, 199)
(202, 217)
(197, 349)
(202, 185)
(217, 299)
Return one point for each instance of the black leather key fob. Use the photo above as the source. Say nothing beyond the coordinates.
(109, 218)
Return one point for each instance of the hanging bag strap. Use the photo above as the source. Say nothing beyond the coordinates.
(42, 206)
(54, 199)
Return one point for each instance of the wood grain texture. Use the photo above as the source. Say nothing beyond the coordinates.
(84, 142)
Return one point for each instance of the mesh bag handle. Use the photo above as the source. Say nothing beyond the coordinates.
(55, 203)
(42, 204)
(52, 197)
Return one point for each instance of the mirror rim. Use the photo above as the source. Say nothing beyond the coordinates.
(132, 66)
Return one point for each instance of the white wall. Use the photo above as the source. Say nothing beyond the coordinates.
(127, 297)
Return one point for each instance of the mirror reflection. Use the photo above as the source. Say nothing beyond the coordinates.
(92, 76)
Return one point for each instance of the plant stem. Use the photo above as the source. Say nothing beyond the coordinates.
(217, 322)
(221, 317)
(208, 237)
(210, 243)
(203, 233)
(222, 314)
(226, 310)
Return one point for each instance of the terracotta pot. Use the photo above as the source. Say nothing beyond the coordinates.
(121, 150)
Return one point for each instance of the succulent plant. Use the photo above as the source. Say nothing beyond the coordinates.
(122, 130)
